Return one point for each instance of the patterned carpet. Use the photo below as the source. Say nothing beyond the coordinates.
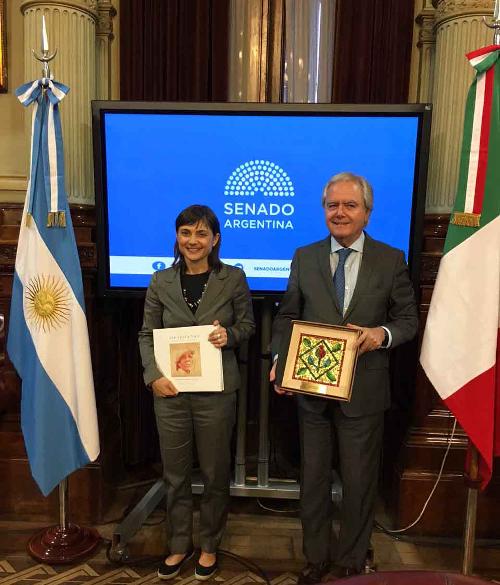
(17, 571)
(13, 573)
(274, 543)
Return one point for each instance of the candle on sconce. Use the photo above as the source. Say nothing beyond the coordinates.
(496, 11)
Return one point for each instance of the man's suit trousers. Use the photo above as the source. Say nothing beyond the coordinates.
(359, 441)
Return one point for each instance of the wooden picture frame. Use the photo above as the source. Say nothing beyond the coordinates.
(321, 360)
(3, 46)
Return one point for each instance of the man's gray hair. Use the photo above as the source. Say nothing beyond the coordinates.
(361, 182)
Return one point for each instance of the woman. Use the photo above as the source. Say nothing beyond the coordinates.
(184, 363)
(197, 290)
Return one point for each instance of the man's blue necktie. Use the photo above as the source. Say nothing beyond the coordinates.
(339, 276)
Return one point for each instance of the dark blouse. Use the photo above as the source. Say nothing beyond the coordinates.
(193, 287)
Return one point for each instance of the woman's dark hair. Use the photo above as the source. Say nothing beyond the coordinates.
(191, 216)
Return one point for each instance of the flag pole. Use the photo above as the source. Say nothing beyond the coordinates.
(45, 57)
(473, 480)
(63, 503)
(66, 542)
(495, 23)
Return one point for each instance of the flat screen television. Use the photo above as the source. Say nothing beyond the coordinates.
(260, 167)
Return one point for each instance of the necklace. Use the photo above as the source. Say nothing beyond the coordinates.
(193, 304)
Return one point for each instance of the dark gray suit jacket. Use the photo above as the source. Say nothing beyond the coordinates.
(383, 296)
(226, 298)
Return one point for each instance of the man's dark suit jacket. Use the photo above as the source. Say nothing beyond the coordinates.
(383, 296)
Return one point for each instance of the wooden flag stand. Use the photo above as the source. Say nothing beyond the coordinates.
(66, 542)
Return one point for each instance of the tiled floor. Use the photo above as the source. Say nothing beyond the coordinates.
(273, 541)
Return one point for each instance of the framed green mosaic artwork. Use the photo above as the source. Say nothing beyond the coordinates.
(321, 360)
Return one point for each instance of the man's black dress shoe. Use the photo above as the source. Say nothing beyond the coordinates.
(341, 572)
(166, 572)
(313, 573)
(350, 571)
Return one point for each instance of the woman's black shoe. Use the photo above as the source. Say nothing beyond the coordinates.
(166, 572)
(313, 573)
(204, 573)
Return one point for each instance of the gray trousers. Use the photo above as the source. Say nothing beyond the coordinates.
(208, 419)
(359, 441)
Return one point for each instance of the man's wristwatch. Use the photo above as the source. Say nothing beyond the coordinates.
(386, 337)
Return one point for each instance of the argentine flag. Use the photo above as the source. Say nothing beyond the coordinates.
(48, 339)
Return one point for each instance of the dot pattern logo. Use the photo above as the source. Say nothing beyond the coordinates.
(259, 177)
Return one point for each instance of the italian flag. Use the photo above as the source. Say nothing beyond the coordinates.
(461, 344)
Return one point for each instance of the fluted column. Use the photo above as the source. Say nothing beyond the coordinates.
(104, 37)
(71, 28)
(309, 43)
(459, 29)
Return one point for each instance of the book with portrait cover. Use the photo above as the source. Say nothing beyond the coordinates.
(186, 357)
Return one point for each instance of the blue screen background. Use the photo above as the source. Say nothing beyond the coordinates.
(159, 163)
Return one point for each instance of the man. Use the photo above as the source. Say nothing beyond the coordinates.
(346, 279)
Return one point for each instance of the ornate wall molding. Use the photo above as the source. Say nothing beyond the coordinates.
(105, 14)
(88, 6)
(426, 47)
(426, 21)
(450, 9)
(104, 37)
